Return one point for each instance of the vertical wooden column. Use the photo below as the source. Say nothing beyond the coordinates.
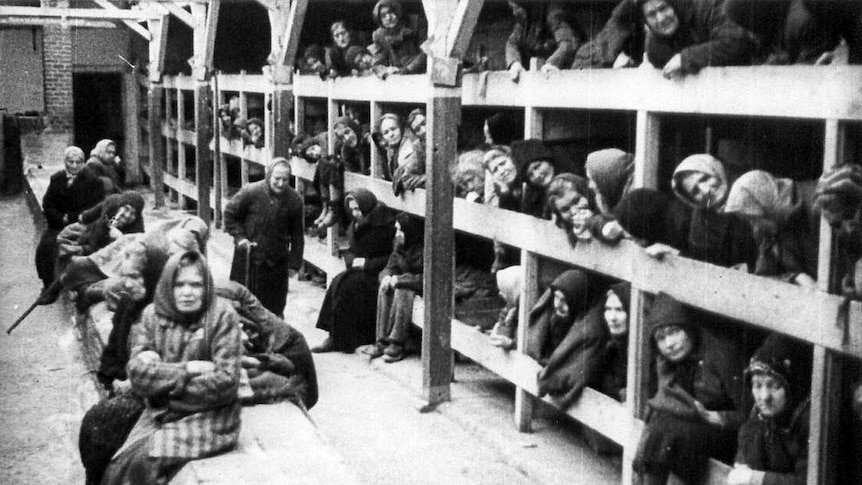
(646, 175)
(219, 161)
(376, 168)
(179, 132)
(826, 373)
(157, 142)
(131, 107)
(282, 110)
(444, 116)
(203, 155)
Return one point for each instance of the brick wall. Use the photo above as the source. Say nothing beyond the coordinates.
(58, 73)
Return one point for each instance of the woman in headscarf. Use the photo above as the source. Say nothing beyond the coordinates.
(349, 307)
(351, 144)
(537, 167)
(785, 227)
(614, 356)
(397, 42)
(185, 361)
(773, 442)
(567, 333)
(400, 282)
(610, 173)
(695, 411)
(701, 182)
(105, 163)
(839, 199)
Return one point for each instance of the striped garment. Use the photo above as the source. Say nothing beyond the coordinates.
(188, 417)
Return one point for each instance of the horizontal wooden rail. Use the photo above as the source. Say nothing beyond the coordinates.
(237, 149)
(247, 83)
(780, 307)
(186, 83)
(816, 92)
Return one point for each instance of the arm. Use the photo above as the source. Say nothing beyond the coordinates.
(51, 203)
(151, 378)
(410, 281)
(513, 44)
(566, 41)
(235, 213)
(728, 43)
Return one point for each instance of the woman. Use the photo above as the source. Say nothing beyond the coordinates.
(404, 156)
(400, 282)
(610, 173)
(349, 308)
(503, 188)
(185, 361)
(773, 442)
(468, 175)
(785, 226)
(336, 60)
(701, 182)
(571, 206)
(613, 360)
(694, 413)
(537, 167)
(105, 163)
(500, 129)
(350, 144)
(397, 42)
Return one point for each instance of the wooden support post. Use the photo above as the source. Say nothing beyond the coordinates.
(444, 116)
(529, 295)
(203, 155)
(131, 106)
(377, 161)
(647, 134)
(219, 164)
(157, 148)
(292, 25)
(182, 160)
(534, 124)
(158, 28)
(826, 392)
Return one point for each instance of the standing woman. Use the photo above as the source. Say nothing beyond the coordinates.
(70, 192)
(349, 309)
(105, 163)
(185, 362)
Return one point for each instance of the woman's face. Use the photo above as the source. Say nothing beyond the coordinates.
(279, 180)
(660, 17)
(769, 394)
(673, 343)
(540, 173)
(225, 117)
(575, 210)
(189, 290)
(472, 182)
(353, 208)
(340, 36)
(561, 307)
(616, 316)
(346, 135)
(255, 132)
(365, 62)
(388, 18)
(503, 170)
(110, 153)
(391, 132)
(313, 152)
(125, 217)
(418, 126)
(74, 164)
(705, 190)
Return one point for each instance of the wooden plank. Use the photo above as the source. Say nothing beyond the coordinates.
(783, 91)
(131, 105)
(158, 28)
(203, 155)
(444, 116)
(534, 123)
(290, 39)
(529, 296)
(406, 88)
(210, 30)
(73, 23)
(180, 13)
(267, 4)
(250, 83)
(282, 100)
(135, 27)
(157, 145)
(637, 374)
(646, 154)
(461, 30)
(377, 159)
(73, 13)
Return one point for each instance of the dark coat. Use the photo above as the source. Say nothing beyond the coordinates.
(622, 32)
(399, 47)
(778, 447)
(407, 261)
(113, 175)
(705, 37)
(721, 239)
(63, 200)
(547, 34)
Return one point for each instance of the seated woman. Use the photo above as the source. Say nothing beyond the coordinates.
(567, 334)
(400, 282)
(694, 413)
(403, 153)
(545, 32)
(336, 59)
(105, 163)
(785, 227)
(189, 382)
(571, 206)
(714, 237)
(397, 42)
(349, 307)
(773, 442)
(537, 167)
(611, 378)
(684, 36)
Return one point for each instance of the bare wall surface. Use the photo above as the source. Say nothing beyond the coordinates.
(21, 70)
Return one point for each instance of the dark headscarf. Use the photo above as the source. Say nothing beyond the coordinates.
(503, 129)
(413, 228)
(623, 291)
(840, 187)
(668, 311)
(579, 289)
(394, 5)
(366, 200)
(613, 171)
(276, 162)
(654, 217)
(525, 152)
(164, 296)
(348, 122)
(785, 360)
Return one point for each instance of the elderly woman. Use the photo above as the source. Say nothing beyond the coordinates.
(786, 229)
(349, 308)
(396, 41)
(70, 192)
(839, 199)
(337, 63)
(105, 163)
(185, 361)
(468, 175)
(404, 154)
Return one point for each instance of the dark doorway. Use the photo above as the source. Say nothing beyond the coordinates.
(98, 109)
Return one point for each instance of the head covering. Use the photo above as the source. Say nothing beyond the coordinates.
(509, 283)
(623, 291)
(525, 152)
(352, 53)
(101, 148)
(579, 289)
(275, 163)
(254, 121)
(701, 163)
(393, 4)
(348, 122)
(783, 359)
(413, 228)
(366, 200)
(654, 217)
(503, 129)
(391, 116)
(840, 185)
(163, 301)
(668, 311)
(613, 171)
(113, 202)
(413, 114)
(72, 151)
(190, 231)
(760, 194)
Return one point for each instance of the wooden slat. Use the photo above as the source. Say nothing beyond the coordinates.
(157, 145)
(529, 296)
(72, 13)
(73, 23)
(293, 27)
(180, 13)
(186, 83)
(647, 150)
(409, 88)
(461, 30)
(250, 83)
(158, 28)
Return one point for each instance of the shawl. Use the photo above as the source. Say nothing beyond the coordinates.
(612, 170)
(702, 163)
(760, 194)
(163, 300)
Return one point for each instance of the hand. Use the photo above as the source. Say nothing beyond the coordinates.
(711, 417)
(249, 362)
(471, 196)
(198, 367)
(548, 67)
(149, 356)
(114, 233)
(243, 244)
(358, 263)
(659, 251)
(623, 394)
(515, 71)
(740, 475)
(612, 230)
(673, 68)
(805, 281)
(623, 60)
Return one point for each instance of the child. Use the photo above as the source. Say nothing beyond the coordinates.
(773, 443)
(694, 413)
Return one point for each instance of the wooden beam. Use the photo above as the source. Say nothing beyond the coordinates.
(158, 28)
(73, 13)
(268, 4)
(529, 296)
(203, 155)
(647, 134)
(290, 38)
(135, 27)
(461, 30)
(157, 144)
(180, 13)
(39, 22)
